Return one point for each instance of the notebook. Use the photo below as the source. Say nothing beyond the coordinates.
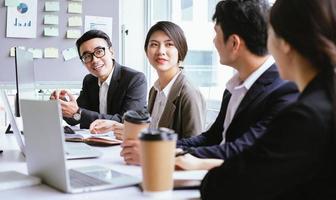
(49, 163)
(73, 150)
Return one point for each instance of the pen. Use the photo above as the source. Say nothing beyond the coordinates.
(182, 153)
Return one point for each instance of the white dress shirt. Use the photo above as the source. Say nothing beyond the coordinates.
(160, 101)
(238, 91)
(103, 90)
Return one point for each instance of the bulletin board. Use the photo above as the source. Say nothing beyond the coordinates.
(55, 70)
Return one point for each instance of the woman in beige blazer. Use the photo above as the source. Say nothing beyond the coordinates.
(173, 102)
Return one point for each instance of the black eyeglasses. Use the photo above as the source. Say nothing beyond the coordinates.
(98, 53)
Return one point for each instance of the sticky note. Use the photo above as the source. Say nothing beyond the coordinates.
(74, 7)
(73, 33)
(52, 6)
(51, 19)
(51, 52)
(70, 53)
(75, 21)
(37, 53)
(12, 50)
(51, 31)
(11, 3)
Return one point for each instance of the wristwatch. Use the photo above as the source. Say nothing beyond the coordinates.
(77, 115)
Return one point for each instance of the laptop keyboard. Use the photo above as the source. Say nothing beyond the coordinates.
(79, 180)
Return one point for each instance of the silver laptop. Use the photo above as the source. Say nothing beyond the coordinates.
(72, 150)
(42, 124)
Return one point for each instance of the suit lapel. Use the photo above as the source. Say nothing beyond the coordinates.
(167, 116)
(151, 99)
(114, 84)
(257, 89)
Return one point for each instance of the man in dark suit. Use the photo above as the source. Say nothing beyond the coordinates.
(108, 91)
(252, 97)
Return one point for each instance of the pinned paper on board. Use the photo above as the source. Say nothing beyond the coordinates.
(73, 33)
(12, 50)
(51, 19)
(75, 7)
(70, 53)
(37, 53)
(75, 21)
(51, 52)
(11, 3)
(99, 23)
(22, 19)
(51, 6)
(51, 31)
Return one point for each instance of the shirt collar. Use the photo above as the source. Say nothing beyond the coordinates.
(108, 80)
(235, 83)
(166, 90)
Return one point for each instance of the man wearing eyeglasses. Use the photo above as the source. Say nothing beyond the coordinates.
(108, 91)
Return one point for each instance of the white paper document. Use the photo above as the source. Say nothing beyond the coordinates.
(99, 23)
(22, 19)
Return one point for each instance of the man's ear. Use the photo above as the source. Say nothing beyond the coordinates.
(111, 51)
(235, 41)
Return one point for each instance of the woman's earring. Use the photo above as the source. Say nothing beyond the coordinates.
(180, 64)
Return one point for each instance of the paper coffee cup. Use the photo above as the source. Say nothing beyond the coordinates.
(157, 159)
(134, 123)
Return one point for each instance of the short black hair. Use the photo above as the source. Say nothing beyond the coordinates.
(246, 18)
(174, 32)
(93, 34)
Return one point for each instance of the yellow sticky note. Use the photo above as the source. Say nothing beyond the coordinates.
(51, 19)
(52, 6)
(51, 31)
(70, 53)
(74, 7)
(11, 3)
(75, 21)
(37, 53)
(73, 33)
(51, 52)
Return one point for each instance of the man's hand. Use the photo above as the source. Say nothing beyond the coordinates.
(131, 151)
(67, 100)
(105, 125)
(190, 162)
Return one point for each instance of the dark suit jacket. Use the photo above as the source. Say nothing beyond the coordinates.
(185, 108)
(295, 159)
(127, 91)
(267, 96)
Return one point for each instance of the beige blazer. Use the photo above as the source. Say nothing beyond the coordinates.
(185, 108)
